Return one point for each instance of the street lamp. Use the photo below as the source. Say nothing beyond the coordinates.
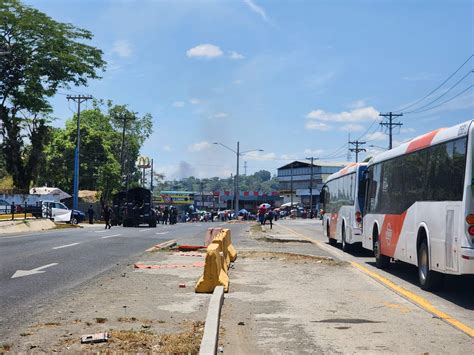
(238, 153)
(377, 146)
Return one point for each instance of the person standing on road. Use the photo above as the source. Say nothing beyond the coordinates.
(90, 212)
(269, 217)
(107, 215)
(165, 215)
(261, 214)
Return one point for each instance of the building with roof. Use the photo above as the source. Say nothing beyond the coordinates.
(294, 180)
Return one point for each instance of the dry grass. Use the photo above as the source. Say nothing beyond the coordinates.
(127, 319)
(265, 255)
(100, 320)
(133, 340)
(187, 342)
(5, 347)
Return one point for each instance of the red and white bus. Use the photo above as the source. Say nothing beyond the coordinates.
(343, 197)
(420, 204)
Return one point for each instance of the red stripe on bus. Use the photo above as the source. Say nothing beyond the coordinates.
(390, 233)
(423, 141)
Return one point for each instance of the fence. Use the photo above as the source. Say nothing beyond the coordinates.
(12, 212)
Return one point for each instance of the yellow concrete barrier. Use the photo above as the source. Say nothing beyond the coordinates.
(231, 252)
(222, 242)
(214, 274)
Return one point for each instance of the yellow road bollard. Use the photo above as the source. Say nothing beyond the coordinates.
(232, 253)
(214, 274)
(219, 239)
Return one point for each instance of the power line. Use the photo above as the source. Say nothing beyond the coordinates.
(439, 97)
(446, 101)
(435, 89)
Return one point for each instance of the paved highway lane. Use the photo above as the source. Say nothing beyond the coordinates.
(456, 299)
(37, 268)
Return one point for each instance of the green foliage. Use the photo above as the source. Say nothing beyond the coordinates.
(260, 181)
(100, 155)
(39, 56)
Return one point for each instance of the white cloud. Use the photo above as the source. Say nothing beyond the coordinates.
(318, 126)
(407, 130)
(122, 48)
(376, 136)
(256, 155)
(257, 9)
(288, 157)
(220, 115)
(237, 82)
(195, 101)
(357, 104)
(178, 104)
(200, 146)
(351, 127)
(167, 148)
(313, 151)
(205, 51)
(419, 76)
(235, 55)
(355, 115)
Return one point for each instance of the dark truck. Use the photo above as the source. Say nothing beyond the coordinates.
(134, 207)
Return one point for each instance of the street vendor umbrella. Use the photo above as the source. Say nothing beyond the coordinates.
(266, 205)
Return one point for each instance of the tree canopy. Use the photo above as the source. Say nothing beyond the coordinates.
(39, 56)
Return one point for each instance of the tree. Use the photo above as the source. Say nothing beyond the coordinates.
(42, 56)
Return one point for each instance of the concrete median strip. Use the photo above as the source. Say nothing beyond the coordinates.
(210, 338)
(163, 245)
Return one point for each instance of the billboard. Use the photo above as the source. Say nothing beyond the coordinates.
(174, 198)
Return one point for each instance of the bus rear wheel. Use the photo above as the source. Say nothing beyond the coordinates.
(345, 246)
(381, 261)
(429, 280)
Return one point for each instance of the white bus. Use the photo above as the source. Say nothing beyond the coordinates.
(420, 205)
(343, 197)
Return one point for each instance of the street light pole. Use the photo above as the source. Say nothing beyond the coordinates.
(238, 153)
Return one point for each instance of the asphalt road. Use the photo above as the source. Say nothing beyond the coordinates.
(68, 258)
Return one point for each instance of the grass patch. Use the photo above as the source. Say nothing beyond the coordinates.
(25, 334)
(100, 320)
(52, 324)
(66, 226)
(134, 340)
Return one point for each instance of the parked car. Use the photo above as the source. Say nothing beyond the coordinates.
(55, 210)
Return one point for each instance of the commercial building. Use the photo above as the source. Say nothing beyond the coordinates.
(294, 180)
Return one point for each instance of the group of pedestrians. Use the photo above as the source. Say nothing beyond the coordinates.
(167, 215)
(107, 214)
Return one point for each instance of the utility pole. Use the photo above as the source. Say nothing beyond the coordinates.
(357, 149)
(237, 190)
(202, 194)
(311, 185)
(291, 185)
(245, 168)
(79, 99)
(390, 124)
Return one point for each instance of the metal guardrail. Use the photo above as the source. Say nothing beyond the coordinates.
(12, 212)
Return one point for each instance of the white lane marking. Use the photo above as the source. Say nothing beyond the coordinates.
(38, 270)
(103, 231)
(160, 233)
(111, 236)
(144, 230)
(65, 246)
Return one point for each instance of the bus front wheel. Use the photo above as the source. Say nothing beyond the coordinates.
(429, 280)
(345, 247)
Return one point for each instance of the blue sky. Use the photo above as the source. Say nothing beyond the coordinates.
(294, 78)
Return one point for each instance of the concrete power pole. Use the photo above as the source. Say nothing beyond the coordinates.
(311, 185)
(390, 124)
(357, 149)
(79, 99)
